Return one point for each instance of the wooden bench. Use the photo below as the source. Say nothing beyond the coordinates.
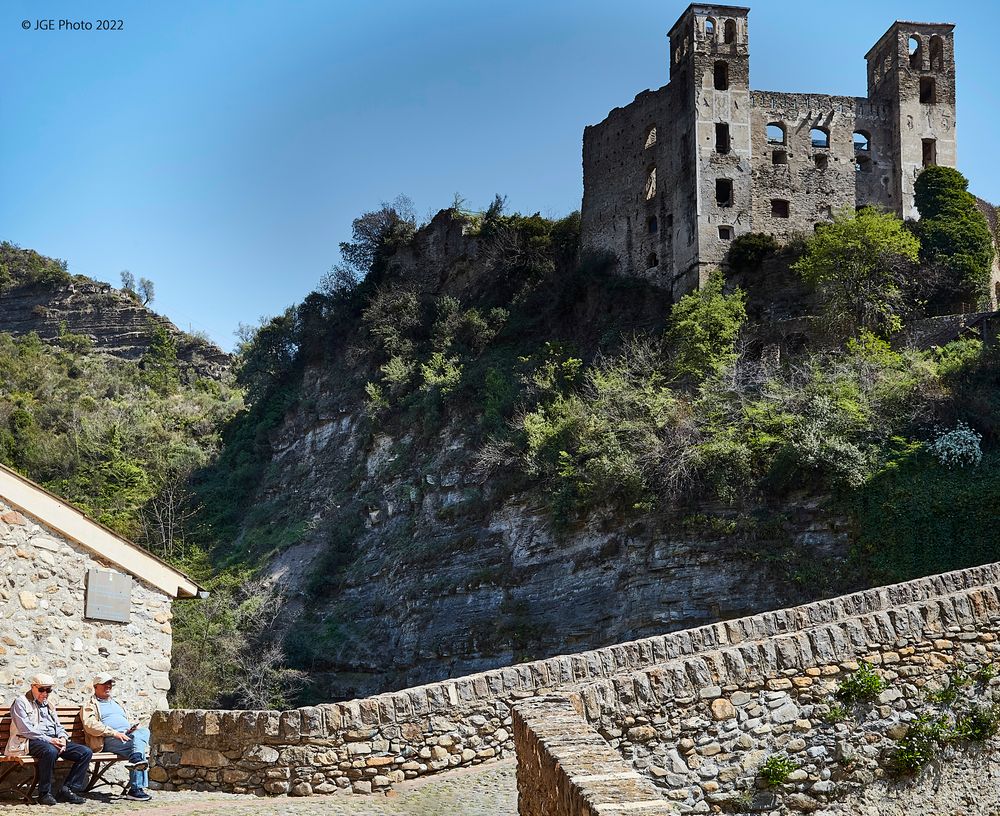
(71, 721)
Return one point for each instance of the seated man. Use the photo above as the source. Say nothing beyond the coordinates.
(35, 729)
(108, 729)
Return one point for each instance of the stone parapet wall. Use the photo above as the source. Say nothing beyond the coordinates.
(565, 768)
(43, 628)
(371, 744)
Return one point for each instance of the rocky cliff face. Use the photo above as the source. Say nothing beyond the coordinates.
(36, 295)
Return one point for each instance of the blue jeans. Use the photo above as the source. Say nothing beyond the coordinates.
(139, 744)
(46, 754)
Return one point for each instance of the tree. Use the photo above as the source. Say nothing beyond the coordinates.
(862, 266)
(375, 232)
(128, 282)
(954, 237)
(146, 291)
(703, 329)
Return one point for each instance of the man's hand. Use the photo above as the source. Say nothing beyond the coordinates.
(59, 743)
(118, 735)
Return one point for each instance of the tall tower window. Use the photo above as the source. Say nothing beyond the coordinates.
(819, 137)
(724, 192)
(721, 137)
(650, 183)
(710, 29)
(721, 75)
(652, 224)
(729, 32)
(929, 150)
(928, 92)
(775, 133)
(937, 53)
(651, 137)
(913, 47)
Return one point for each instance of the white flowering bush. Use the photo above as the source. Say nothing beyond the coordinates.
(958, 447)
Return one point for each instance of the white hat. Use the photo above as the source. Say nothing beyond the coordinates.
(42, 679)
(102, 678)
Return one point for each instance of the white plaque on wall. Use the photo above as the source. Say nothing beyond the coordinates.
(108, 596)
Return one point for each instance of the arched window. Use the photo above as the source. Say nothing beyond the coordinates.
(721, 75)
(729, 32)
(913, 46)
(651, 137)
(652, 260)
(710, 29)
(937, 53)
(819, 137)
(862, 141)
(651, 183)
(775, 133)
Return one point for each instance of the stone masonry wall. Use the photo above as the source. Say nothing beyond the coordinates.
(565, 768)
(42, 627)
(371, 744)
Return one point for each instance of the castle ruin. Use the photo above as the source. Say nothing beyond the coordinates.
(672, 178)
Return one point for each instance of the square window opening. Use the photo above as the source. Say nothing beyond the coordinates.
(779, 157)
(726, 233)
(822, 162)
(779, 208)
(928, 92)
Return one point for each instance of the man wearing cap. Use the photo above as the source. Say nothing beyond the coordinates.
(108, 729)
(35, 730)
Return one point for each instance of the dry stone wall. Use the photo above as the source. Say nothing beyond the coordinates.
(371, 744)
(42, 624)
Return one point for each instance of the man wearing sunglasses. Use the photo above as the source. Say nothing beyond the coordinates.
(109, 729)
(35, 730)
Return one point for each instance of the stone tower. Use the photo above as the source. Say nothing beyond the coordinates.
(911, 71)
(710, 69)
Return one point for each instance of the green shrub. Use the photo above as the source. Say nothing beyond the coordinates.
(703, 328)
(922, 742)
(776, 770)
(748, 252)
(862, 686)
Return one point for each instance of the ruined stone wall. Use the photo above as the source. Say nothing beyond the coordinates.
(371, 744)
(42, 625)
(632, 175)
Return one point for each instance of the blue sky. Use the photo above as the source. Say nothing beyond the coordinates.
(221, 149)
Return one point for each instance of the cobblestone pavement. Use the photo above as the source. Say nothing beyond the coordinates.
(486, 790)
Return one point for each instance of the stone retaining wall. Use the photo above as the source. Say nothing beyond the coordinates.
(565, 768)
(371, 744)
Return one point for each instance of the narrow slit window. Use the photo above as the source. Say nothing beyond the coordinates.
(651, 183)
(721, 137)
(729, 31)
(928, 91)
(819, 137)
(929, 152)
(653, 225)
(724, 192)
(721, 75)
(775, 133)
(937, 53)
(779, 157)
(779, 208)
(651, 137)
(726, 233)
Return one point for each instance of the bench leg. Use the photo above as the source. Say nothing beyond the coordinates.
(97, 780)
(13, 766)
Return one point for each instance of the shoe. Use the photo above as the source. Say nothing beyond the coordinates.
(138, 795)
(47, 799)
(71, 796)
(137, 762)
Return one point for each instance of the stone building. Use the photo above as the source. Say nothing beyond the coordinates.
(76, 599)
(670, 179)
